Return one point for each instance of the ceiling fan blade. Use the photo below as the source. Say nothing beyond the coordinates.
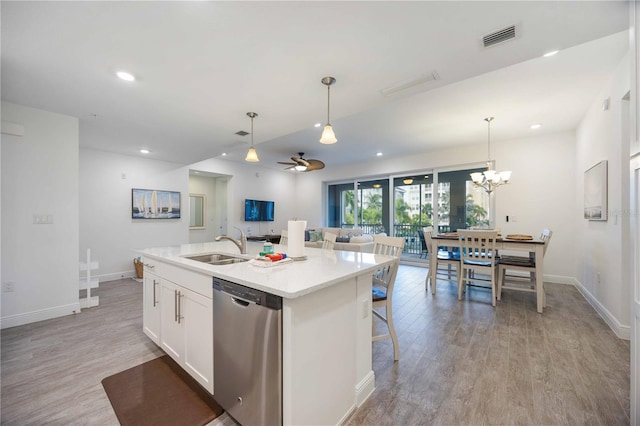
(288, 164)
(301, 161)
(314, 165)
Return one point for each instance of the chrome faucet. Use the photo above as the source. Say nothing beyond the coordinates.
(242, 244)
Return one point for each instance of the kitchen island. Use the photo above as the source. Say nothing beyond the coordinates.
(326, 321)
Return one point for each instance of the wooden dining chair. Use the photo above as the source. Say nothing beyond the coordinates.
(522, 264)
(329, 241)
(443, 257)
(382, 287)
(284, 237)
(478, 254)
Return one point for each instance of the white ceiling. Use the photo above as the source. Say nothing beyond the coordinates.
(201, 66)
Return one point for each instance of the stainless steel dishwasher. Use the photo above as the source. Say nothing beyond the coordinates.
(247, 353)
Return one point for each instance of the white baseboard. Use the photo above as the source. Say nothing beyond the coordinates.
(622, 331)
(115, 276)
(41, 315)
(554, 279)
(559, 279)
(346, 416)
(365, 388)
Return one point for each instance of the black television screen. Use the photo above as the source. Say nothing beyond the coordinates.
(258, 211)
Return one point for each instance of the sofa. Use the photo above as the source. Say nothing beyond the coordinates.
(346, 239)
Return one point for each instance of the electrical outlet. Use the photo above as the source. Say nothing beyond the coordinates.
(366, 308)
(7, 287)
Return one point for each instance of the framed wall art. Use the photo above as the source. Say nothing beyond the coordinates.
(595, 192)
(154, 204)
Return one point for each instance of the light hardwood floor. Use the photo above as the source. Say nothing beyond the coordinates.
(461, 362)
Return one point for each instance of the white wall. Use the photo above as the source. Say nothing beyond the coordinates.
(602, 270)
(106, 226)
(39, 177)
(254, 182)
(105, 204)
(539, 195)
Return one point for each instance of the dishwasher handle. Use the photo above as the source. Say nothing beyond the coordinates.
(239, 302)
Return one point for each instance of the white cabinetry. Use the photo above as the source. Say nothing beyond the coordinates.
(151, 306)
(183, 316)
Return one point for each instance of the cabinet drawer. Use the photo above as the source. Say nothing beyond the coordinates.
(194, 281)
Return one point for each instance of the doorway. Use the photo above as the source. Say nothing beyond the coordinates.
(208, 191)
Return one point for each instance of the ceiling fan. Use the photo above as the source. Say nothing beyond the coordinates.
(302, 165)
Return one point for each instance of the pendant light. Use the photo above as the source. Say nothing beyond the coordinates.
(328, 137)
(490, 179)
(252, 155)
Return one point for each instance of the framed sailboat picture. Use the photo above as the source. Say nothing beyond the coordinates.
(154, 204)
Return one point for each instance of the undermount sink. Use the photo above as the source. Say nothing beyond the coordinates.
(217, 259)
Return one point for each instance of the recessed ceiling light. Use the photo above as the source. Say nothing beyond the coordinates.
(553, 52)
(379, 154)
(317, 125)
(125, 76)
(144, 151)
(224, 154)
(535, 126)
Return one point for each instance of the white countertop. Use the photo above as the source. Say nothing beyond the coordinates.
(322, 268)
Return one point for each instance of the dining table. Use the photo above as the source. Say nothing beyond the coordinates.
(519, 242)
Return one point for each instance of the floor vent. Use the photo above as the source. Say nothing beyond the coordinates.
(499, 36)
(242, 133)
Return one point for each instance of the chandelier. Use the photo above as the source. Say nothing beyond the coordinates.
(490, 179)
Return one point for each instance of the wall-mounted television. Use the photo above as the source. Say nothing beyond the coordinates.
(258, 211)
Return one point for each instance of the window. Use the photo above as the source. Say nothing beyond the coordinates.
(411, 204)
(460, 204)
(412, 209)
(342, 208)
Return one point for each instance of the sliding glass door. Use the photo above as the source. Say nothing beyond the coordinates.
(373, 206)
(461, 205)
(413, 211)
(341, 206)
(403, 206)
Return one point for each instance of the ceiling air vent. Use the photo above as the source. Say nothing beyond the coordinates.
(242, 133)
(499, 36)
(409, 84)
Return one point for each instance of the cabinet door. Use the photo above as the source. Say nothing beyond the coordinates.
(151, 307)
(171, 320)
(198, 353)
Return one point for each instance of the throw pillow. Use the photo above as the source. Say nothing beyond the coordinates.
(315, 236)
(359, 239)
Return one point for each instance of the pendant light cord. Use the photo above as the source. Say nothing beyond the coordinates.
(488, 120)
(488, 138)
(328, 104)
